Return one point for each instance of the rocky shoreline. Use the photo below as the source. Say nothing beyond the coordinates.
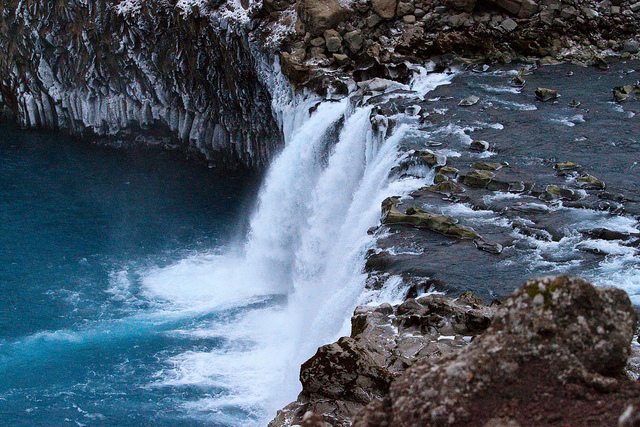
(202, 76)
(553, 353)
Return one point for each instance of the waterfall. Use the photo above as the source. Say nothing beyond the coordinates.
(298, 275)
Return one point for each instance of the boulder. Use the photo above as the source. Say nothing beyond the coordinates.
(469, 101)
(552, 347)
(321, 15)
(341, 378)
(478, 178)
(479, 146)
(354, 40)
(590, 182)
(333, 41)
(418, 218)
(545, 94)
(386, 9)
(462, 5)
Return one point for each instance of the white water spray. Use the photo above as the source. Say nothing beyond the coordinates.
(307, 241)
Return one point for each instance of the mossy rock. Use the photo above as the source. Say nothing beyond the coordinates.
(545, 94)
(478, 178)
(562, 168)
(487, 166)
(590, 182)
(447, 187)
(440, 178)
(555, 192)
(419, 218)
(449, 171)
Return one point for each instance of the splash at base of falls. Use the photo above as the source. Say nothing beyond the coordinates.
(304, 254)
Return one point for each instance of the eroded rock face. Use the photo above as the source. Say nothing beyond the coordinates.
(150, 69)
(341, 378)
(559, 335)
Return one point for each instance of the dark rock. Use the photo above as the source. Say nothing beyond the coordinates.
(479, 146)
(552, 331)
(321, 15)
(386, 9)
(341, 378)
(469, 101)
(420, 219)
(545, 94)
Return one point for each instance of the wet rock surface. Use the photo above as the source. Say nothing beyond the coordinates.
(554, 353)
(341, 378)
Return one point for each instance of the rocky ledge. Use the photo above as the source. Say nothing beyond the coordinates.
(368, 38)
(553, 353)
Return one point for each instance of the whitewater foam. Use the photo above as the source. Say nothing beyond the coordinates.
(307, 242)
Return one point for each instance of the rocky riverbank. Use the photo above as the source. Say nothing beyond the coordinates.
(203, 76)
(553, 353)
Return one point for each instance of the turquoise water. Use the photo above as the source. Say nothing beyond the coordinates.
(80, 341)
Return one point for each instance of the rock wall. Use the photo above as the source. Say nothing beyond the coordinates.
(170, 72)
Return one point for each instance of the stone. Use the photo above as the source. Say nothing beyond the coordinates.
(631, 46)
(321, 15)
(462, 5)
(478, 178)
(590, 182)
(508, 25)
(622, 93)
(479, 145)
(565, 168)
(545, 94)
(469, 101)
(447, 187)
(487, 166)
(405, 8)
(409, 19)
(317, 42)
(333, 40)
(386, 9)
(341, 58)
(553, 335)
(492, 248)
(354, 40)
(418, 218)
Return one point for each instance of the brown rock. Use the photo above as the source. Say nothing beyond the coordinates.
(558, 338)
(386, 9)
(321, 15)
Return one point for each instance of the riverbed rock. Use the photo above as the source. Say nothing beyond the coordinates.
(545, 94)
(419, 218)
(321, 15)
(555, 344)
(386, 9)
(469, 101)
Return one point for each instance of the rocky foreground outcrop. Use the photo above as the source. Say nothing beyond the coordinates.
(554, 354)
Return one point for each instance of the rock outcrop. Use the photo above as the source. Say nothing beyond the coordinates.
(555, 352)
(156, 72)
(555, 347)
(495, 30)
(345, 376)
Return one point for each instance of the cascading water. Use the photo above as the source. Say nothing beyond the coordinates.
(303, 260)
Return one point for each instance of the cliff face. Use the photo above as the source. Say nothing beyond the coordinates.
(158, 71)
